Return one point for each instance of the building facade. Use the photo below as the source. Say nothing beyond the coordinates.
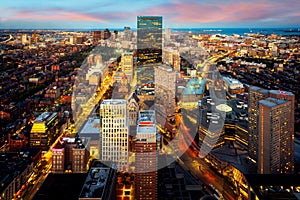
(114, 132)
(275, 141)
(127, 65)
(271, 130)
(71, 154)
(255, 95)
(149, 39)
(146, 157)
(43, 130)
(165, 88)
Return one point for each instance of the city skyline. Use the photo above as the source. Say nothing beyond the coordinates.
(191, 14)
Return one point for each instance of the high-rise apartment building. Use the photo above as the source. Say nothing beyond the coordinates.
(275, 141)
(146, 157)
(255, 94)
(114, 132)
(271, 130)
(149, 39)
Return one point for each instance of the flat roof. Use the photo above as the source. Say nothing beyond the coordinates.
(146, 122)
(194, 86)
(98, 181)
(258, 89)
(45, 116)
(91, 126)
(113, 101)
(281, 92)
(270, 102)
(231, 81)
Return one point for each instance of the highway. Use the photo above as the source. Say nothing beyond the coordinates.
(189, 160)
(10, 38)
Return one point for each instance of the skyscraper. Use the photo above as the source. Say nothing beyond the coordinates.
(114, 132)
(275, 141)
(271, 130)
(149, 39)
(127, 65)
(146, 157)
(165, 80)
(255, 94)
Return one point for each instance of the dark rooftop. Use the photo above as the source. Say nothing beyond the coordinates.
(61, 187)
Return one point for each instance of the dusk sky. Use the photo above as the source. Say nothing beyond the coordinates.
(93, 14)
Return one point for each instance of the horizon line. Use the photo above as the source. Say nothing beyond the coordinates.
(134, 28)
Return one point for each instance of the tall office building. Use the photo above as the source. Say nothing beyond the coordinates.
(165, 80)
(255, 94)
(275, 141)
(114, 132)
(146, 157)
(127, 65)
(168, 34)
(127, 33)
(24, 39)
(149, 39)
(97, 35)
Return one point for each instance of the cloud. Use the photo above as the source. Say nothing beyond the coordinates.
(222, 11)
(174, 12)
(46, 15)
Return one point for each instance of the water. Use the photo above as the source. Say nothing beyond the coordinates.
(240, 31)
(211, 31)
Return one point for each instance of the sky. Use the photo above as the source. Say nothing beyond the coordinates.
(98, 14)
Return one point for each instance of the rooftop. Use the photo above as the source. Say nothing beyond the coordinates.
(113, 101)
(45, 117)
(231, 81)
(270, 102)
(91, 126)
(194, 86)
(98, 183)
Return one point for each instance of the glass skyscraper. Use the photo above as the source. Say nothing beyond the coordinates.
(149, 39)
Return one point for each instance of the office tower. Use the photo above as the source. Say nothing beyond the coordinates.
(24, 39)
(165, 80)
(168, 34)
(255, 94)
(127, 65)
(72, 39)
(106, 34)
(80, 39)
(146, 157)
(35, 38)
(96, 36)
(127, 33)
(114, 132)
(133, 109)
(43, 130)
(275, 140)
(71, 154)
(149, 39)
